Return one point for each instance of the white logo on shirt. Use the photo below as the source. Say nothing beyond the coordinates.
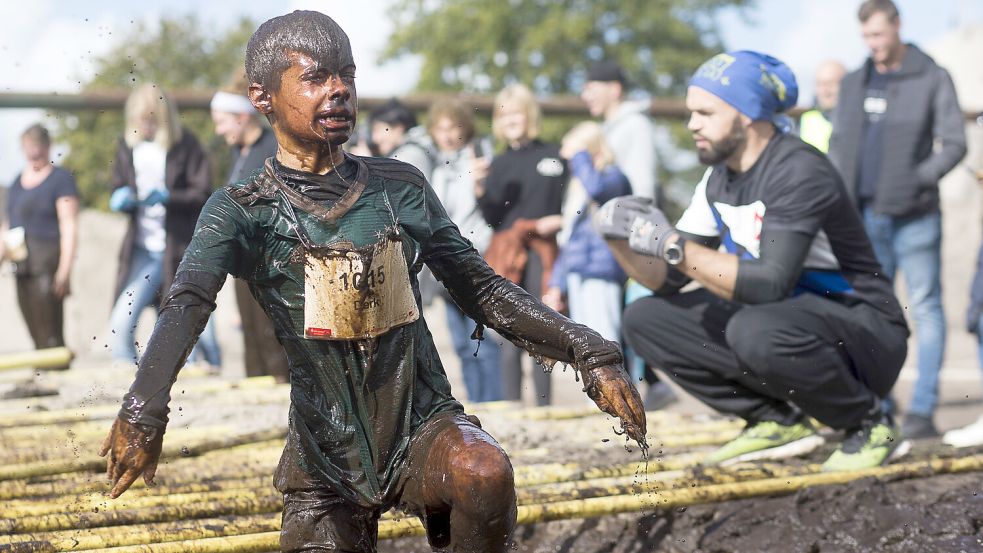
(549, 167)
(744, 222)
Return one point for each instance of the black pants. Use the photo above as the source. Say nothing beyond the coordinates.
(42, 310)
(760, 362)
(511, 355)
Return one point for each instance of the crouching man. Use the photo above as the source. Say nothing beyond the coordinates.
(795, 319)
(330, 244)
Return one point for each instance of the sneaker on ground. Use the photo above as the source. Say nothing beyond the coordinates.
(967, 436)
(767, 440)
(917, 427)
(659, 396)
(873, 444)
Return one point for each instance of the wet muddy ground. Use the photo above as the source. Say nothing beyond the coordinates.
(941, 514)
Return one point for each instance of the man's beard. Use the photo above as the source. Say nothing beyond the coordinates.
(720, 151)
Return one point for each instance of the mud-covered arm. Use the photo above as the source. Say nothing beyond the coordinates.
(213, 253)
(493, 301)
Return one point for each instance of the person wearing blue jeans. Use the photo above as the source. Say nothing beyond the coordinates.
(480, 361)
(914, 244)
(897, 130)
(139, 291)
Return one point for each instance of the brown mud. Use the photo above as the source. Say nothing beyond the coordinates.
(935, 514)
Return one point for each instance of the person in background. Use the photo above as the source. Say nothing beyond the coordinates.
(39, 236)
(252, 143)
(461, 161)
(815, 125)
(586, 276)
(161, 179)
(394, 133)
(972, 434)
(897, 130)
(630, 135)
(524, 184)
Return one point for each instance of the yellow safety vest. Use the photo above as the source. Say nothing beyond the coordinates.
(815, 129)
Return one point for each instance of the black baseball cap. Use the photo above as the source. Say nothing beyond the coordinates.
(607, 71)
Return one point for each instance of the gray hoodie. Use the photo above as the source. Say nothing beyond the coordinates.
(922, 109)
(631, 136)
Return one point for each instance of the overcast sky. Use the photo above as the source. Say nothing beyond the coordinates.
(48, 45)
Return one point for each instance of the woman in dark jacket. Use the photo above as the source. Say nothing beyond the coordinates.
(524, 185)
(161, 177)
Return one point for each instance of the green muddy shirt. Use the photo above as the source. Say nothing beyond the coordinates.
(354, 404)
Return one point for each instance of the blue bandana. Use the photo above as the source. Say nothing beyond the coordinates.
(756, 84)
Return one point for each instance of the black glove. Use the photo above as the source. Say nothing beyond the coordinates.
(614, 219)
(649, 231)
(973, 318)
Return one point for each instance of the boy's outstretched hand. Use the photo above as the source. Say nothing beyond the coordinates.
(133, 450)
(613, 392)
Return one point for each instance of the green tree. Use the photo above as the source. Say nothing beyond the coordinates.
(480, 46)
(177, 53)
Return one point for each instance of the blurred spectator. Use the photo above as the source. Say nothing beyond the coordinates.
(972, 435)
(394, 133)
(39, 236)
(586, 276)
(896, 131)
(252, 143)
(631, 136)
(161, 179)
(462, 160)
(627, 128)
(524, 184)
(815, 125)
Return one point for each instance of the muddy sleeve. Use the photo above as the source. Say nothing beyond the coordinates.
(493, 301)
(213, 253)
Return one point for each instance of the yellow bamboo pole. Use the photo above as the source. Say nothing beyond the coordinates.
(246, 505)
(135, 534)
(171, 450)
(47, 358)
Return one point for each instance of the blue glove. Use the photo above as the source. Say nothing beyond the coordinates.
(157, 196)
(123, 199)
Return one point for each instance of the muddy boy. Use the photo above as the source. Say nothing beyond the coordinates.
(373, 423)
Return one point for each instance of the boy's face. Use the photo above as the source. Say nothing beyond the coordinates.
(315, 103)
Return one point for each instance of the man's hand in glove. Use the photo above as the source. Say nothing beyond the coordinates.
(649, 231)
(613, 392)
(614, 219)
(133, 449)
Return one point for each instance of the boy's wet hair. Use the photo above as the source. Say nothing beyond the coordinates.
(307, 32)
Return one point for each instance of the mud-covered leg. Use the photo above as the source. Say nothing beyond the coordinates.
(468, 491)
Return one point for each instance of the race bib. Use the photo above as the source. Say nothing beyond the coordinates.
(353, 295)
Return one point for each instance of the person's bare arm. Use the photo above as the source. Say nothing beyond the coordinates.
(713, 269)
(67, 208)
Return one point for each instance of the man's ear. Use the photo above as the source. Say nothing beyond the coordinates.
(260, 99)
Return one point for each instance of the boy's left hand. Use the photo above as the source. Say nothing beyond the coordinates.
(613, 392)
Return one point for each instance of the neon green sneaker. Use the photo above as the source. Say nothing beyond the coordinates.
(874, 444)
(767, 440)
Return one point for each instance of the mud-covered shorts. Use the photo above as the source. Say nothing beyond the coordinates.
(315, 518)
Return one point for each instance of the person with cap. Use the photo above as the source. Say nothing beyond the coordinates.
(815, 125)
(331, 244)
(252, 143)
(630, 135)
(394, 133)
(795, 319)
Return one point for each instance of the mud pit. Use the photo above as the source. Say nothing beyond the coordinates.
(225, 439)
(941, 513)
